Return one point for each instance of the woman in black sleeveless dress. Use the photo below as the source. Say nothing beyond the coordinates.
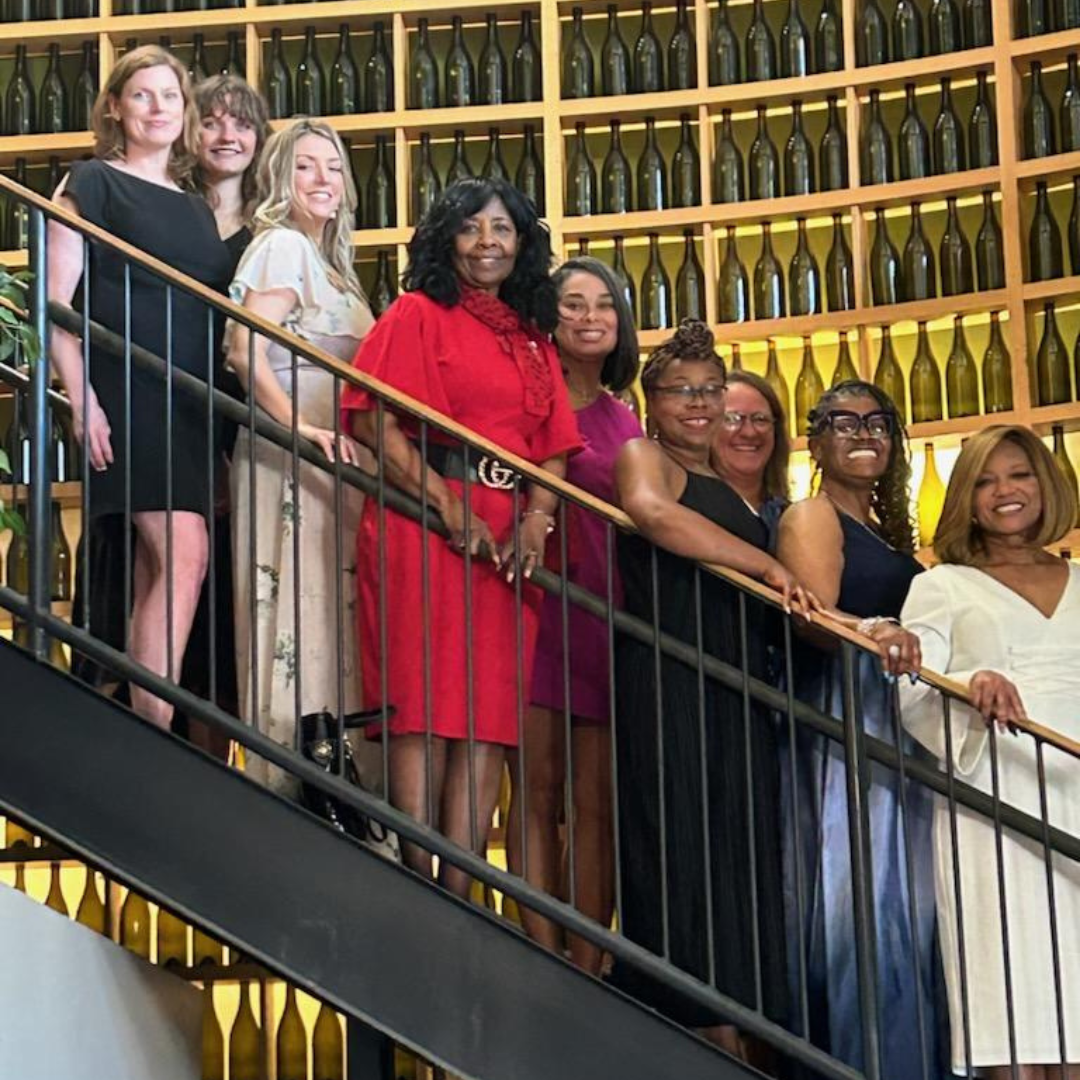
(696, 864)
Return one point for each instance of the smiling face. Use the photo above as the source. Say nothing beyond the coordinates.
(486, 248)
(226, 145)
(744, 451)
(150, 108)
(860, 458)
(319, 182)
(682, 420)
(588, 327)
(1007, 500)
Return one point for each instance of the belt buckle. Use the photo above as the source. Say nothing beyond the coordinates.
(492, 473)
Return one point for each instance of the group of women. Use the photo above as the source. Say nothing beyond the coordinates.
(733, 849)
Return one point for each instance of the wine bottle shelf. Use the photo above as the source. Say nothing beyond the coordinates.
(68, 494)
(1043, 168)
(40, 147)
(1046, 47)
(885, 76)
(1039, 291)
(14, 260)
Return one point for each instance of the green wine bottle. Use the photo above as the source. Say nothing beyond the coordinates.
(1070, 108)
(460, 169)
(213, 1042)
(135, 925)
(794, 44)
(1074, 227)
(804, 277)
(383, 293)
(728, 175)
(525, 64)
(682, 52)
(760, 47)
(920, 279)
(580, 176)
(925, 381)
(245, 1041)
(291, 1040)
(378, 74)
(798, 157)
(733, 285)
(491, 70)
(618, 267)
(886, 272)
(655, 290)
(578, 75)
(494, 168)
(1061, 456)
(949, 152)
(828, 39)
(982, 127)
(990, 248)
(871, 35)
(529, 178)
(310, 79)
(845, 370)
(652, 181)
(907, 31)
(1038, 118)
(914, 141)
(423, 71)
(961, 376)
(833, 151)
(426, 183)
(648, 57)
(344, 77)
(460, 75)
(945, 33)
(1044, 240)
(690, 282)
(327, 1047)
(808, 389)
(768, 280)
(877, 158)
(686, 168)
(957, 275)
(889, 377)
(53, 98)
(839, 271)
(775, 378)
(764, 162)
(172, 949)
(725, 67)
(616, 183)
(615, 77)
(978, 24)
(380, 189)
(997, 370)
(91, 910)
(1051, 363)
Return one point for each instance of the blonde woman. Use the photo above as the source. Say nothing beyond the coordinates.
(297, 273)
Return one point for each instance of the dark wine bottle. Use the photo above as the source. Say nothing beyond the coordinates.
(794, 44)
(198, 69)
(53, 99)
(380, 189)
(494, 168)
(768, 280)
(135, 925)
(60, 557)
(327, 1047)
(491, 69)
(925, 382)
(961, 376)
(978, 23)
(839, 271)
(804, 277)
(982, 127)
(652, 181)
(655, 290)
(798, 157)
(877, 157)
(529, 178)
(525, 66)
(17, 230)
(871, 35)
(245, 1041)
(622, 275)
(279, 91)
(957, 275)
(1034, 17)
(828, 39)
(889, 377)
(21, 103)
(808, 389)
(764, 163)
(172, 948)
(728, 177)
(291, 1040)
(459, 71)
(378, 74)
(690, 282)
(886, 272)
(760, 47)
(686, 168)
(310, 79)
(1044, 240)
(426, 183)
(682, 52)
(423, 71)
(1074, 228)
(615, 76)
(616, 180)
(1070, 108)
(725, 67)
(736, 358)
(1052, 383)
(913, 141)
(91, 910)
(949, 152)
(990, 248)
(907, 31)
(578, 62)
(944, 21)
(84, 93)
(648, 65)
(1070, 14)
(775, 378)
(460, 169)
(344, 77)
(1038, 118)
(580, 176)
(383, 291)
(1061, 456)
(920, 280)
(845, 370)
(233, 65)
(833, 151)
(733, 285)
(997, 370)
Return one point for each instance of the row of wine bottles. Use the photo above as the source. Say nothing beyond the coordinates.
(925, 152)
(1045, 16)
(51, 108)
(950, 25)
(1045, 249)
(1053, 378)
(15, 441)
(1040, 134)
(61, 563)
(21, 11)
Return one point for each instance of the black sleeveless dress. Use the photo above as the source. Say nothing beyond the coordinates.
(710, 734)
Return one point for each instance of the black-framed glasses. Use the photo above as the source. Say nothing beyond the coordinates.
(708, 392)
(848, 424)
(759, 421)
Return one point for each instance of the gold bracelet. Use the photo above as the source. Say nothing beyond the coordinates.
(541, 513)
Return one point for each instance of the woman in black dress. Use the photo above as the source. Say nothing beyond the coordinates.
(703, 887)
(138, 187)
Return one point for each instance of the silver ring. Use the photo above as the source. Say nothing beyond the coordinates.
(894, 650)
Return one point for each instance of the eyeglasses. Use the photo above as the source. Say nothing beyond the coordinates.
(708, 392)
(759, 421)
(847, 424)
(579, 311)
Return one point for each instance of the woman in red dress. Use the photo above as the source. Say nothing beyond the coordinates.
(469, 338)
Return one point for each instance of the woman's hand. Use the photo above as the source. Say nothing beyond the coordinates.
(778, 577)
(996, 698)
(453, 514)
(91, 429)
(532, 534)
(334, 447)
(901, 651)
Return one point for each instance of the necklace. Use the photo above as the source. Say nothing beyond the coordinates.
(858, 521)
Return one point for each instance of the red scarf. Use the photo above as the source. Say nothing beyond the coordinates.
(506, 325)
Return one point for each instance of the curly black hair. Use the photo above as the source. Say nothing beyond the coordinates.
(693, 340)
(528, 289)
(891, 499)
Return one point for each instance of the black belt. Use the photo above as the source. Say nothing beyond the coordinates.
(449, 462)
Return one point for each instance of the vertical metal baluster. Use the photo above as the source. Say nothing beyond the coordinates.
(40, 479)
(751, 817)
(85, 463)
(470, 704)
(340, 585)
(253, 549)
(298, 649)
(1003, 903)
(384, 629)
(170, 633)
(861, 867)
(213, 465)
(568, 714)
(796, 828)
(954, 840)
(425, 601)
(517, 784)
(1055, 943)
(609, 603)
(703, 754)
(128, 569)
(665, 923)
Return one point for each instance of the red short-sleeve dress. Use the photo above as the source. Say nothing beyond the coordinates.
(450, 360)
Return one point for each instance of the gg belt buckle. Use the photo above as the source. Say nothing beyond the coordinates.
(492, 473)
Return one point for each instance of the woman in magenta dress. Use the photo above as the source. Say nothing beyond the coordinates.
(469, 339)
(598, 349)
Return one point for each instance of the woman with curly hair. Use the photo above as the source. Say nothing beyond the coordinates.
(852, 544)
(469, 337)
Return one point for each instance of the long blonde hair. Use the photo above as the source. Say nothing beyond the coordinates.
(110, 142)
(277, 197)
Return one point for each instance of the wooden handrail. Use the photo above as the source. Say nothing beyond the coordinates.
(398, 400)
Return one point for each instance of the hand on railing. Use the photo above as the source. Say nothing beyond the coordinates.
(778, 577)
(901, 651)
(325, 439)
(532, 533)
(91, 429)
(453, 514)
(997, 699)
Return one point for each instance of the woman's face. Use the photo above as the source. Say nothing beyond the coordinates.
(686, 404)
(588, 327)
(319, 182)
(1007, 500)
(746, 436)
(226, 145)
(854, 457)
(150, 108)
(486, 247)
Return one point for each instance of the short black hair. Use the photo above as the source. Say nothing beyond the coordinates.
(528, 289)
(621, 364)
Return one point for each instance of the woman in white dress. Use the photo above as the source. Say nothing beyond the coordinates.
(298, 273)
(1002, 616)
